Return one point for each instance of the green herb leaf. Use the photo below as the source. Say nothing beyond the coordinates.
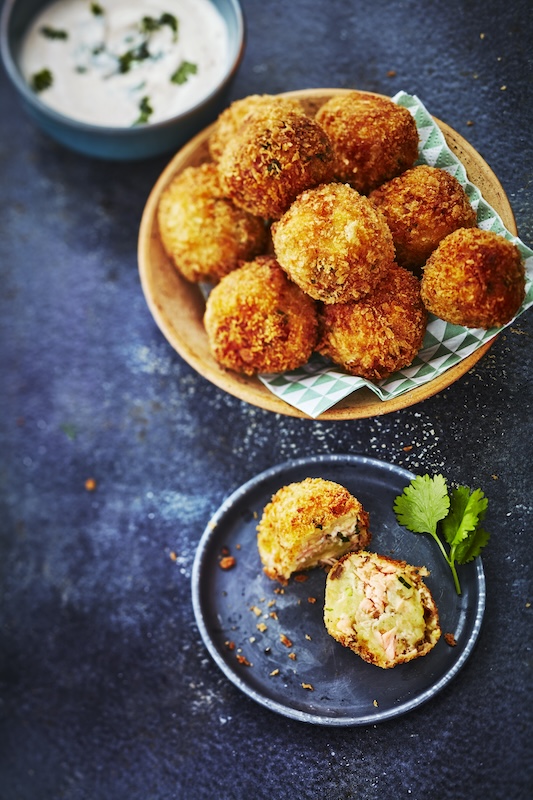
(171, 21)
(183, 72)
(423, 504)
(53, 33)
(41, 80)
(146, 111)
(97, 10)
(140, 53)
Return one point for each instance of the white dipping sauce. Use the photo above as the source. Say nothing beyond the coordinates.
(112, 62)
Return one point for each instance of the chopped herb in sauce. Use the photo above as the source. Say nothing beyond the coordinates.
(127, 59)
(97, 10)
(146, 110)
(151, 24)
(41, 80)
(183, 72)
(53, 33)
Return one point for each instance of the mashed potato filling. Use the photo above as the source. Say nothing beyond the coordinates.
(381, 609)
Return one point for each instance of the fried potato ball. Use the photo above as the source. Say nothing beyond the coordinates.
(383, 332)
(258, 321)
(309, 523)
(381, 609)
(474, 278)
(422, 206)
(273, 157)
(373, 138)
(333, 243)
(204, 233)
(230, 120)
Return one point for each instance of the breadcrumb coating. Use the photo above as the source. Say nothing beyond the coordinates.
(379, 334)
(308, 523)
(474, 278)
(333, 243)
(374, 139)
(381, 609)
(273, 157)
(422, 206)
(204, 233)
(231, 119)
(257, 320)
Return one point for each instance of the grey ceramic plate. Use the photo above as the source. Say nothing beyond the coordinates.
(229, 605)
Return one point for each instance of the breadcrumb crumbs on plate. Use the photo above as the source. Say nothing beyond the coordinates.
(279, 590)
(271, 603)
(273, 614)
(261, 627)
(308, 686)
(243, 660)
(90, 484)
(311, 599)
(308, 637)
(285, 640)
(227, 562)
(407, 448)
(391, 73)
(257, 611)
(450, 639)
(274, 672)
(229, 644)
(173, 556)
(292, 656)
(375, 703)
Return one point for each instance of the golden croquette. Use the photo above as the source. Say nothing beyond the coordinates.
(204, 233)
(474, 278)
(373, 138)
(333, 243)
(308, 523)
(230, 120)
(422, 206)
(257, 320)
(381, 609)
(379, 334)
(272, 158)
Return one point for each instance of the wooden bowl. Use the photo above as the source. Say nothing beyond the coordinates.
(178, 305)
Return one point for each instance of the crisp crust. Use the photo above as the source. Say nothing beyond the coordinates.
(379, 334)
(203, 232)
(474, 278)
(422, 206)
(272, 157)
(373, 138)
(308, 523)
(333, 243)
(258, 321)
(381, 609)
(231, 119)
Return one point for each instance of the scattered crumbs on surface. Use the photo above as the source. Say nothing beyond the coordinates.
(227, 562)
(251, 639)
(391, 73)
(292, 656)
(495, 477)
(243, 660)
(256, 515)
(271, 603)
(407, 448)
(274, 672)
(285, 640)
(173, 556)
(229, 644)
(90, 484)
(211, 525)
(261, 627)
(311, 599)
(279, 590)
(528, 604)
(503, 88)
(257, 611)
(308, 637)
(301, 578)
(308, 686)
(481, 35)
(375, 703)
(237, 547)
(469, 122)
(262, 599)
(273, 614)
(450, 639)
(475, 76)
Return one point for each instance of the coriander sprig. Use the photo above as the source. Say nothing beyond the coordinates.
(426, 502)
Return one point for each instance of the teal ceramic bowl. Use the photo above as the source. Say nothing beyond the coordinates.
(118, 143)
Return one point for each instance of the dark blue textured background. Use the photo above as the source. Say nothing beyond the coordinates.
(107, 691)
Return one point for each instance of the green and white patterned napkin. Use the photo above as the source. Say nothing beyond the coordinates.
(318, 385)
